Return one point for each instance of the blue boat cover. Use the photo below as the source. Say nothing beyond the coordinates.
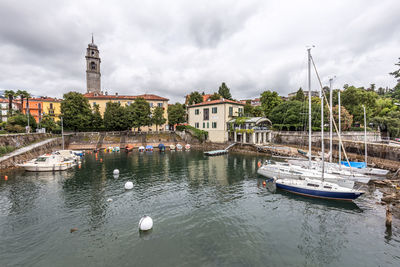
(353, 164)
(149, 147)
(161, 146)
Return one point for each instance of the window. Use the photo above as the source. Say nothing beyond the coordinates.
(93, 66)
(160, 105)
(230, 111)
(214, 110)
(51, 105)
(214, 125)
(151, 105)
(208, 125)
(204, 125)
(240, 111)
(196, 125)
(196, 112)
(94, 104)
(206, 114)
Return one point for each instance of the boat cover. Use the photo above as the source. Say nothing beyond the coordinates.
(354, 164)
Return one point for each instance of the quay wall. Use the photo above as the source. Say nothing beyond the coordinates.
(293, 137)
(22, 139)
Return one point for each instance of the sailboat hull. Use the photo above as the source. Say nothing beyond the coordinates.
(345, 196)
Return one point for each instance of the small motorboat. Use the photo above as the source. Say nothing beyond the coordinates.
(172, 147)
(161, 147)
(318, 189)
(128, 148)
(179, 147)
(48, 162)
(149, 148)
(68, 155)
(187, 147)
(141, 148)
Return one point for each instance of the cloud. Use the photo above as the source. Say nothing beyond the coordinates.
(171, 48)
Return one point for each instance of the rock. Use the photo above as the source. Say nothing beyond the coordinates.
(390, 198)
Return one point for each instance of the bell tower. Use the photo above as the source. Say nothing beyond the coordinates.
(93, 76)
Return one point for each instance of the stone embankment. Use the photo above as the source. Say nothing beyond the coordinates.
(20, 140)
(29, 152)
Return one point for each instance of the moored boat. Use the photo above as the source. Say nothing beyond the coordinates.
(141, 148)
(47, 163)
(172, 147)
(187, 147)
(179, 147)
(161, 147)
(149, 148)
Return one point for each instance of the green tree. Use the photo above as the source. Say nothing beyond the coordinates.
(158, 117)
(224, 91)
(353, 98)
(76, 112)
(269, 100)
(10, 94)
(22, 120)
(257, 111)
(195, 98)
(115, 117)
(396, 73)
(49, 123)
(176, 114)
(22, 94)
(248, 109)
(395, 92)
(389, 123)
(97, 120)
(215, 96)
(299, 95)
(346, 119)
(139, 113)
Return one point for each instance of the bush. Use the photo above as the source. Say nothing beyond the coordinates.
(15, 128)
(199, 134)
(6, 149)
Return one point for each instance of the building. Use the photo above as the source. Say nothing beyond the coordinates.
(313, 93)
(212, 116)
(93, 75)
(254, 102)
(206, 97)
(125, 100)
(40, 106)
(254, 130)
(4, 108)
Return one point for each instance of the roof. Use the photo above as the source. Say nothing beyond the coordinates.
(256, 120)
(44, 99)
(125, 97)
(216, 102)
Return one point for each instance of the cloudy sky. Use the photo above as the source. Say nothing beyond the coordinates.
(171, 48)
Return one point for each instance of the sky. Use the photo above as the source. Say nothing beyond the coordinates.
(171, 48)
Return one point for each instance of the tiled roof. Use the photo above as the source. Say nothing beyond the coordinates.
(127, 97)
(44, 99)
(216, 102)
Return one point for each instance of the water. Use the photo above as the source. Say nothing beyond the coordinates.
(206, 211)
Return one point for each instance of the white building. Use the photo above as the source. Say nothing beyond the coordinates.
(213, 116)
(4, 108)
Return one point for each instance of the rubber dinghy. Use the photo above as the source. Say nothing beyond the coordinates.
(318, 189)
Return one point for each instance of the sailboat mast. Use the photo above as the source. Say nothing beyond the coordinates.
(330, 119)
(365, 136)
(322, 135)
(340, 132)
(309, 107)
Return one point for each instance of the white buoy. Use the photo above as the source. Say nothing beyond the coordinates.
(116, 172)
(109, 200)
(128, 185)
(145, 223)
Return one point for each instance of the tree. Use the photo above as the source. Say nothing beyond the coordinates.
(10, 94)
(22, 94)
(389, 123)
(176, 114)
(215, 96)
(257, 111)
(158, 117)
(396, 92)
(49, 123)
(248, 109)
(195, 98)
(353, 98)
(97, 120)
(396, 73)
(22, 120)
(224, 91)
(76, 112)
(300, 95)
(115, 117)
(346, 119)
(139, 113)
(269, 100)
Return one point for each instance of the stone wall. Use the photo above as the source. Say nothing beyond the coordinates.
(21, 140)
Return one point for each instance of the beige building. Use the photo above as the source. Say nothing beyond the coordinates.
(125, 100)
(212, 116)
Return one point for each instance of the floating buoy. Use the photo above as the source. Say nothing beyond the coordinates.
(5, 177)
(259, 164)
(145, 223)
(79, 166)
(116, 172)
(109, 200)
(264, 183)
(128, 185)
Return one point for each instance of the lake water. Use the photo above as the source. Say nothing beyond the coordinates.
(207, 211)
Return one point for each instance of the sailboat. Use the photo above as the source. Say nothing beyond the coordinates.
(318, 188)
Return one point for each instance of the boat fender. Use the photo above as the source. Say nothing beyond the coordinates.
(264, 183)
(5, 177)
(259, 164)
(116, 172)
(145, 223)
(128, 185)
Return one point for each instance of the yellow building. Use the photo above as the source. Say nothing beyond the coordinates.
(124, 100)
(213, 116)
(52, 107)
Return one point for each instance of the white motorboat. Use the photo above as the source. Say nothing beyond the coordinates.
(179, 147)
(68, 155)
(172, 147)
(187, 147)
(286, 171)
(47, 163)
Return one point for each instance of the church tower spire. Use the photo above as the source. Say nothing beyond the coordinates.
(93, 75)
